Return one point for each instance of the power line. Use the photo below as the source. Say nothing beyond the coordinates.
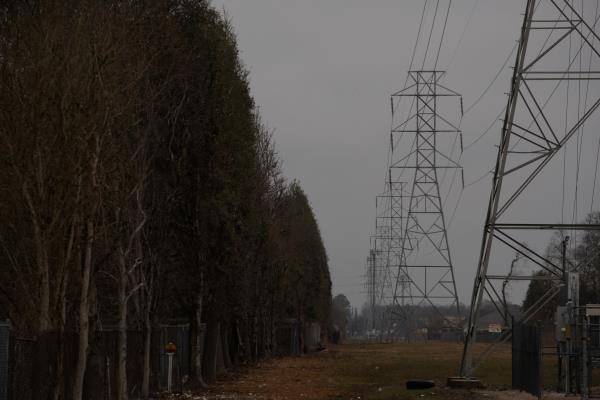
(489, 128)
(489, 86)
(585, 107)
(430, 33)
(443, 33)
(462, 34)
(415, 46)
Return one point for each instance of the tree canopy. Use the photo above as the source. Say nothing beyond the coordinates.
(139, 184)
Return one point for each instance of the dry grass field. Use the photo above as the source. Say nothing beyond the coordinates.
(367, 371)
(374, 372)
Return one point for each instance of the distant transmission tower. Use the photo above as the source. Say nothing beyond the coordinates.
(538, 124)
(385, 251)
(371, 286)
(410, 245)
(422, 263)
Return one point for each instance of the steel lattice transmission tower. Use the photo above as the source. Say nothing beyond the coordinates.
(396, 220)
(385, 251)
(424, 273)
(534, 133)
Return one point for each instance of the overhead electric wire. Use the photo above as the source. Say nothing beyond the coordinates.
(489, 86)
(482, 177)
(565, 146)
(595, 177)
(489, 128)
(417, 40)
(430, 33)
(574, 215)
(582, 127)
(390, 149)
(435, 67)
(462, 35)
(444, 175)
(487, 173)
(425, 56)
(479, 98)
(585, 107)
(443, 33)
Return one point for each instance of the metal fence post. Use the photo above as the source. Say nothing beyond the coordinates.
(5, 328)
(584, 362)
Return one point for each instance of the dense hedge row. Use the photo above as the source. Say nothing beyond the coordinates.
(139, 185)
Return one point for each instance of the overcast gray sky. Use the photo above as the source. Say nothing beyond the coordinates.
(322, 71)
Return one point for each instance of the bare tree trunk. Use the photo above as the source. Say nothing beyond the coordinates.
(220, 362)
(41, 258)
(199, 348)
(62, 303)
(272, 343)
(60, 368)
(248, 339)
(225, 346)
(122, 340)
(44, 319)
(209, 365)
(84, 324)
(254, 335)
(148, 280)
(147, 346)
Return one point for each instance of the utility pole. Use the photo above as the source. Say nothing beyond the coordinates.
(564, 295)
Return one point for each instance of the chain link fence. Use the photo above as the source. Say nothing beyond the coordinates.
(33, 369)
(527, 358)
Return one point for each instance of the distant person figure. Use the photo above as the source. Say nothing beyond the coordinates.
(335, 334)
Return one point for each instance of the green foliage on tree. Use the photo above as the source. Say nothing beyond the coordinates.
(341, 312)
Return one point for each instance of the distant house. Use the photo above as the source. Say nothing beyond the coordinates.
(491, 324)
(491, 318)
(454, 320)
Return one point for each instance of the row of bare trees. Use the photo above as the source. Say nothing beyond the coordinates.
(138, 185)
(581, 255)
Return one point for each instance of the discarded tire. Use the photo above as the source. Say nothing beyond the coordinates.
(417, 384)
